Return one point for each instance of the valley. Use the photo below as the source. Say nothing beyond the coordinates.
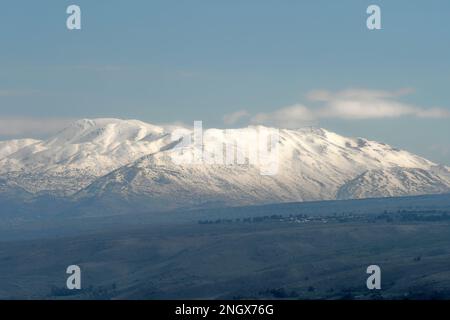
(294, 251)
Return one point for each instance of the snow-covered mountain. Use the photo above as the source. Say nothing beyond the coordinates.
(9, 147)
(76, 156)
(132, 161)
(394, 182)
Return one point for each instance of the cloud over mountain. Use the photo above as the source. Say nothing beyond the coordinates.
(351, 104)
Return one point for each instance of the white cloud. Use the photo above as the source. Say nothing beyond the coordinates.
(353, 104)
(31, 127)
(369, 104)
(357, 94)
(232, 118)
(289, 117)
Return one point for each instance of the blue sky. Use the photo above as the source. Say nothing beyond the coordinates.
(168, 61)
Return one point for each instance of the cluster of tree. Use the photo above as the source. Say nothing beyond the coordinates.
(245, 220)
(344, 217)
(410, 216)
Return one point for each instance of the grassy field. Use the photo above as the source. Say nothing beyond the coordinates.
(270, 259)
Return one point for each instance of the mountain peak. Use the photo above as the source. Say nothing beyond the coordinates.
(104, 131)
(129, 157)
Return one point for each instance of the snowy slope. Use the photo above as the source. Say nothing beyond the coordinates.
(80, 153)
(7, 148)
(394, 182)
(131, 160)
(313, 165)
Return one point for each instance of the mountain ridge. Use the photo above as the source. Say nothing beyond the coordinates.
(130, 161)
